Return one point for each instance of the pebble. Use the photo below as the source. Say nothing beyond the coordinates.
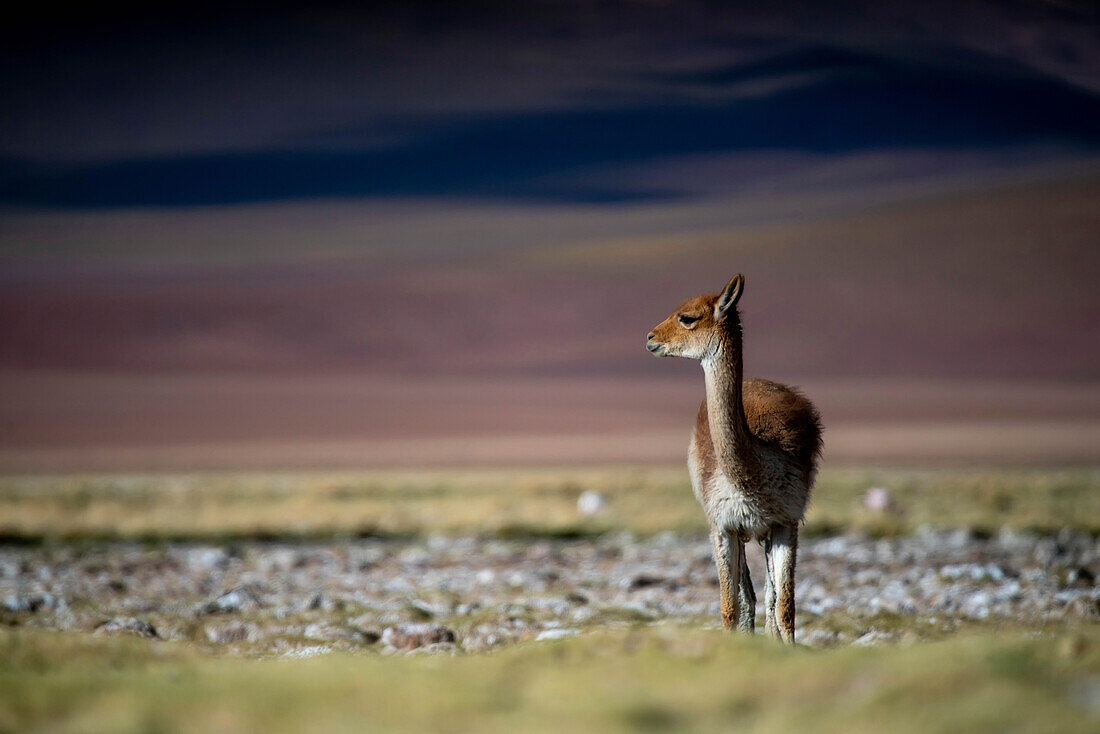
(436, 648)
(328, 632)
(496, 592)
(128, 625)
(878, 499)
(874, 637)
(1080, 576)
(31, 603)
(817, 638)
(411, 636)
(591, 502)
(239, 599)
(230, 633)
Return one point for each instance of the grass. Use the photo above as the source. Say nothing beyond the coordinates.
(510, 503)
(650, 679)
(618, 675)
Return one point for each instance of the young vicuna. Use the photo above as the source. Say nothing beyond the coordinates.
(753, 458)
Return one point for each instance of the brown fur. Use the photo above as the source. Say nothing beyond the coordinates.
(776, 414)
(753, 457)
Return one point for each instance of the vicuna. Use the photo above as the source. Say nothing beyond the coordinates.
(752, 459)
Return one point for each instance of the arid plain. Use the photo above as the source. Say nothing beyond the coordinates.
(324, 401)
(370, 455)
(951, 324)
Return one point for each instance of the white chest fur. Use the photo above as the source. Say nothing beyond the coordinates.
(776, 497)
(727, 507)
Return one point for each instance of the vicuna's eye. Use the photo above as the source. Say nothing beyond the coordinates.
(688, 321)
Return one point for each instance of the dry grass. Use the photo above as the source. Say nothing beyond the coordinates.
(511, 502)
(641, 680)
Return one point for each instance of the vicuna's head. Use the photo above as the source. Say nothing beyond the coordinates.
(700, 326)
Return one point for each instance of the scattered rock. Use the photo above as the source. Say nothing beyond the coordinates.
(340, 633)
(439, 543)
(127, 625)
(480, 643)
(874, 637)
(591, 502)
(513, 590)
(879, 499)
(307, 652)
(486, 637)
(973, 572)
(818, 638)
(1080, 576)
(464, 610)
(230, 633)
(412, 636)
(582, 614)
(323, 602)
(558, 634)
(978, 605)
(206, 559)
(436, 648)
(640, 581)
(415, 556)
(428, 610)
(31, 603)
(1014, 540)
(239, 599)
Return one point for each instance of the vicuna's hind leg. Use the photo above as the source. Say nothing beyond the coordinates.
(769, 591)
(727, 556)
(784, 541)
(747, 621)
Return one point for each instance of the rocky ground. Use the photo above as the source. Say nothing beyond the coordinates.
(449, 594)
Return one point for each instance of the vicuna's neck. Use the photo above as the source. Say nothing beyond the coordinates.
(734, 444)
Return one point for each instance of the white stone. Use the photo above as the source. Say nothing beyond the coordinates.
(878, 499)
(590, 502)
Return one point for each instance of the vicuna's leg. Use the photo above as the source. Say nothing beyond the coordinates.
(784, 550)
(727, 556)
(747, 597)
(769, 591)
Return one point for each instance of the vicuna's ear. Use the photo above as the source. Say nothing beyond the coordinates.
(729, 297)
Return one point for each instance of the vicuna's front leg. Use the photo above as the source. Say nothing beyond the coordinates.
(727, 556)
(784, 549)
(747, 621)
(769, 591)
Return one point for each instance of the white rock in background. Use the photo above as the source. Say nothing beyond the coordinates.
(878, 499)
(590, 502)
(138, 627)
(241, 598)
